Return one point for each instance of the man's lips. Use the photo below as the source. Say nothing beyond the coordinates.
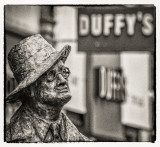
(62, 89)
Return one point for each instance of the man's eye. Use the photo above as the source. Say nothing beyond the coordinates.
(51, 75)
(65, 72)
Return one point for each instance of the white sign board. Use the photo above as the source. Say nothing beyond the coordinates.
(136, 109)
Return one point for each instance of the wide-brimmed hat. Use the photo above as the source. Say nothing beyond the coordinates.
(31, 58)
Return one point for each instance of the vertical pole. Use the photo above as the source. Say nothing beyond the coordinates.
(47, 23)
(88, 95)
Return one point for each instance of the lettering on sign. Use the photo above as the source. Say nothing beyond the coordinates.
(101, 24)
(111, 84)
(137, 100)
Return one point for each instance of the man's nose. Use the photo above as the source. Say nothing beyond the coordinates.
(61, 80)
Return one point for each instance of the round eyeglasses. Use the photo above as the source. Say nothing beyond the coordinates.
(52, 75)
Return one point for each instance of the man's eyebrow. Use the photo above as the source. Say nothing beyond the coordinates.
(66, 67)
(52, 70)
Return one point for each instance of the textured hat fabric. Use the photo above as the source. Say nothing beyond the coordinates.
(31, 58)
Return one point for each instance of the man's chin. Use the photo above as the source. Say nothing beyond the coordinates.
(64, 97)
(60, 100)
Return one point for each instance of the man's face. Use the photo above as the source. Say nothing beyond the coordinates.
(52, 88)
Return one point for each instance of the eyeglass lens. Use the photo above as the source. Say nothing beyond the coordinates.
(64, 71)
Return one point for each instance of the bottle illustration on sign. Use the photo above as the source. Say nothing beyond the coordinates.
(109, 82)
(102, 81)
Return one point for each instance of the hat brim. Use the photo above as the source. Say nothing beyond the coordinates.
(34, 75)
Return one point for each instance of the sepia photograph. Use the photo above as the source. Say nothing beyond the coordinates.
(79, 73)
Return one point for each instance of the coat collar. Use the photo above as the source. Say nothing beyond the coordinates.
(28, 122)
(26, 127)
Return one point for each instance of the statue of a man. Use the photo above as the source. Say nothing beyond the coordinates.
(43, 90)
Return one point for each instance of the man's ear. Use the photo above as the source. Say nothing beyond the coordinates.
(29, 91)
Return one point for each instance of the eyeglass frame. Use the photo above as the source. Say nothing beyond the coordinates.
(60, 70)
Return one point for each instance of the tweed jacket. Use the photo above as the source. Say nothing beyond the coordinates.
(26, 127)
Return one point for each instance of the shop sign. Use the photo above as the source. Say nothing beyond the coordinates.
(116, 28)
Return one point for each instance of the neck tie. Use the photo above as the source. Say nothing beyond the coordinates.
(49, 136)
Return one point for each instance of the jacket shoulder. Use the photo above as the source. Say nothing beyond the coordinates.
(8, 136)
(15, 130)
